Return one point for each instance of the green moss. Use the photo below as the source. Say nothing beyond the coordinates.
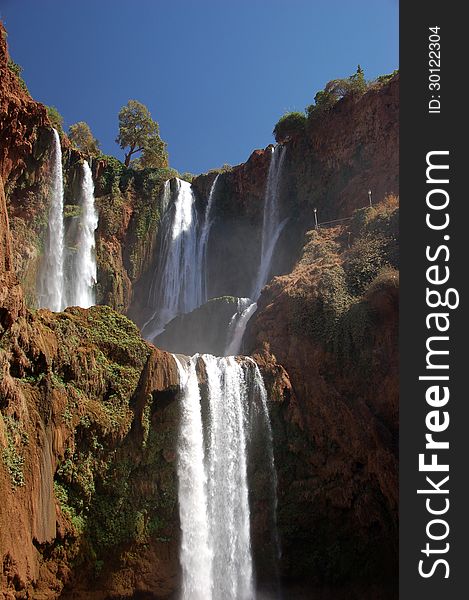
(109, 180)
(72, 210)
(12, 454)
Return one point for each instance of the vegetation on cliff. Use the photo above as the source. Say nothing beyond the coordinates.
(140, 133)
(88, 407)
(85, 375)
(292, 124)
(82, 139)
(350, 263)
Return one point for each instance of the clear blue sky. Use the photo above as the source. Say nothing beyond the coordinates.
(216, 75)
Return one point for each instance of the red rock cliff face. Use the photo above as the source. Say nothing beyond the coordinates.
(12, 103)
(332, 324)
(24, 138)
(84, 475)
(345, 152)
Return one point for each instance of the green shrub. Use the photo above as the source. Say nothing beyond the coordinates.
(387, 278)
(316, 313)
(55, 118)
(290, 125)
(187, 177)
(17, 70)
(337, 89)
(12, 454)
(109, 180)
(365, 258)
(383, 79)
(226, 168)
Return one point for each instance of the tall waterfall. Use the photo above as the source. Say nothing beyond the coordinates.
(51, 293)
(271, 225)
(203, 240)
(213, 457)
(196, 553)
(271, 229)
(180, 282)
(85, 267)
(177, 288)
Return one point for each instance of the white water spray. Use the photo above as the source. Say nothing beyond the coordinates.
(272, 227)
(216, 555)
(181, 281)
(85, 271)
(228, 397)
(51, 292)
(195, 553)
(177, 287)
(237, 327)
(203, 240)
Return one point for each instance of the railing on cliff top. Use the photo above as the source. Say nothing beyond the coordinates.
(318, 224)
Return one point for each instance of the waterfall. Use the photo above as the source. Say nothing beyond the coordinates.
(271, 225)
(51, 292)
(85, 270)
(237, 327)
(213, 456)
(180, 284)
(177, 287)
(228, 398)
(203, 240)
(271, 229)
(195, 553)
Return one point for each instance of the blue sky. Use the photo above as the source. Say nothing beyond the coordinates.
(216, 75)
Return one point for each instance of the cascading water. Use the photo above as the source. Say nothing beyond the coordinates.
(223, 409)
(177, 287)
(203, 240)
(213, 457)
(272, 226)
(195, 553)
(228, 504)
(51, 292)
(85, 268)
(246, 308)
(271, 229)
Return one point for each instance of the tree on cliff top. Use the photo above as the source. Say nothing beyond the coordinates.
(336, 89)
(289, 126)
(80, 135)
(140, 133)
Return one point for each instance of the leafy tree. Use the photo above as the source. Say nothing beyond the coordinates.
(55, 118)
(140, 133)
(337, 89)
(154, 153)
(357, 82)
(80, 135)
(288, 126)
